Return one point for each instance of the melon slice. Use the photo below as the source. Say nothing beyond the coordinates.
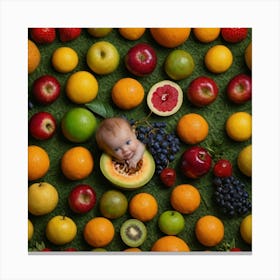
(121, 176)
(165, 98)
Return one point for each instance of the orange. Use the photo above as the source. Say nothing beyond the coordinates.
(170, 37)
(192, 128)
(206, 35)
(132, 250)
(209, 230)
(248, 56)
(185, 198)
(127, 93)
(143, 206)
(132, 33)
(170, 244)
(64, 59)
(34, 56)
(38, 162)
(77, 163)
(218, 59)
(99, 232)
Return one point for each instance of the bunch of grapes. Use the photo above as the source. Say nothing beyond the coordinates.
(162, 145)
(231, 196)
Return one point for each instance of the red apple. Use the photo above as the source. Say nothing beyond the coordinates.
(239, 89)
(202, 91)
(46, 89)
(82, 198)
(141, 59)
(195, 162)
(42, 125)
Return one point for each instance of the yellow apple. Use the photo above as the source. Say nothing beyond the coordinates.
(99, 32)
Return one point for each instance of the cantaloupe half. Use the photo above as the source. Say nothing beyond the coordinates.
(121, 176)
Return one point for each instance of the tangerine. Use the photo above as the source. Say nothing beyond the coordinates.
(170, 37)
(132, 33)
(77, 163)
(34, 57)
(38, 162)
(192, 128)
(248, 56)
(99, 232)
(64, 59)
(170, 243)
(206, 35)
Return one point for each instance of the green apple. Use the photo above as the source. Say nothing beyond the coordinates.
(179, 64)
(103, 58)
(78, 125)
(99, 32)
(171, 222)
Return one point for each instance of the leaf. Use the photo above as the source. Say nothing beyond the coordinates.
(100, 108)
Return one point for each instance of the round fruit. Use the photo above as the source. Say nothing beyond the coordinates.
(171, 222)
(99, 232)
(218, 59)
(185, 198)
(244, 160)
(99, 32)
(248, 56)
(132, 250)
(42, 198)
(127, 93)
(64, 59)
(121, 176)
(165, 98)
(38, 162)
(239, 126)
(192, 128)
(61, 230)
(77, 163)
(170, 243)
(132, 33)
(133, 232)
(179, 64)
(222, 168)
(206, 35)
(34, 57)
(113, 204)
(143, 206)
(170, 37)
(246, 229)
(30, 230)
(209, 230)
(81, 87)
(78, 125)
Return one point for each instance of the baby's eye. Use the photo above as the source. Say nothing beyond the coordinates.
(128, 142)
(116, 149)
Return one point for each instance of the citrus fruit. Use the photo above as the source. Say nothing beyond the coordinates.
(239, 126)
(99, 232)
(206, 35)
(192, 128)
(165, 98)
(30, 230)
(81, 87)
(99, 31)
(38, 162)
(248, 56)
(127, 93)
(132, 249)
(64, 59)
(209, 230)
(132, 33)
(77, 163)
(170, 243)
(170, 37)
(42, 198)
(34, 57)
(143, 206)
(61, 230)
(78, 124)
(218, 59)
(246, 229)
(244, 160)
(185, 198)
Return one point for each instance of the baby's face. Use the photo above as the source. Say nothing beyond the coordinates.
(124, 146)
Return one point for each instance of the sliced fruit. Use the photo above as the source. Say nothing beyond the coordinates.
(123, 177)
(165, 98)
(133, 232)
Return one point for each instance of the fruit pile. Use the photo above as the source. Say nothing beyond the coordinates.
(187, 94)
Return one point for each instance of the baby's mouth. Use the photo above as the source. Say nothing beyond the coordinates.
(128, 156)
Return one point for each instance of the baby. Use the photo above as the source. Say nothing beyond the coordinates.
(116, 137)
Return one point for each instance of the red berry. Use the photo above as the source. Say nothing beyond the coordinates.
(235, 249)
(43, 35)
(234, 35)
(69, 34)
(222, 168)
(168, 176)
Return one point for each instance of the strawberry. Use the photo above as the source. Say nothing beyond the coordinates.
(168, 176)
(234, 35)
(69, 34)
(43, 35)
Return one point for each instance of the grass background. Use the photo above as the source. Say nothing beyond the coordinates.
(216, 115)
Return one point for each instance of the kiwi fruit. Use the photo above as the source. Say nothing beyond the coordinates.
(133, 232)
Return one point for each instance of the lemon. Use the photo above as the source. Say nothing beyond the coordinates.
(64, 59)
(246, 229)
(30, 230)
(244, 161)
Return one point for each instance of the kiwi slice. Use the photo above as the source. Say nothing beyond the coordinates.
(133, 233)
